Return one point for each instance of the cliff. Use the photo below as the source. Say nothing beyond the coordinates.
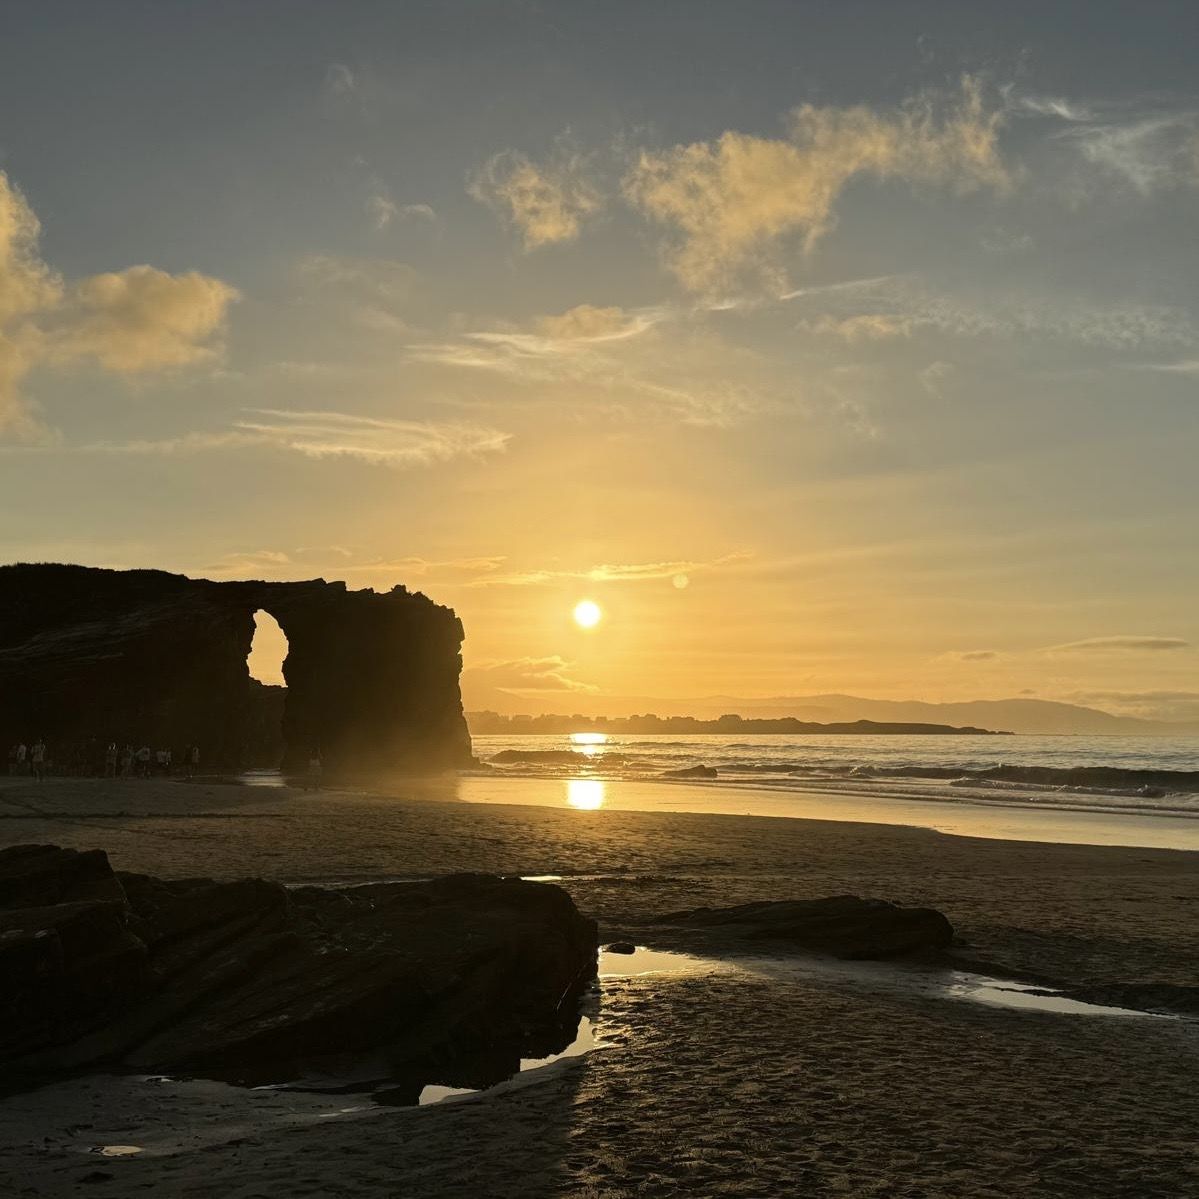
(91, 656)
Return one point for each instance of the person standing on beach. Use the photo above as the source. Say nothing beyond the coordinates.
(127, 761)
(110, 761)
(313, 782)
(143, 762)
(38, 760)
(22, 753)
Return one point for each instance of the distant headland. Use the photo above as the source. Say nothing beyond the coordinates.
(492, 723)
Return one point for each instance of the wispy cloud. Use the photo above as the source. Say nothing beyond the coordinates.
(384, 211)
(525, 674)
(1146, 144)
(369, 439)
(609, 572)
(910, 304)
(600, 349)
(1148, 152)
(865, 326)
(547, 202)
(1118, 644)
(372, 440)
(305, 561)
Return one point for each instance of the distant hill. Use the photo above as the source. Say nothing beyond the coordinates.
(1031, 716)
(487, 722)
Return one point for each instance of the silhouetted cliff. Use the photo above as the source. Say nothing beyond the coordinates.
(160, 659)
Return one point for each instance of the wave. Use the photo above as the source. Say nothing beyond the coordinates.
(1116, 779)
(557, 757)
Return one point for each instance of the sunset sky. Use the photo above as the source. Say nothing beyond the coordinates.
(826, 346)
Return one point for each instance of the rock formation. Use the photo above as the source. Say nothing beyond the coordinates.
(841, 926)
(451, 981)
(91, 656)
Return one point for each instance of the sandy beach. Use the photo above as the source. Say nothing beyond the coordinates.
(828, 1081)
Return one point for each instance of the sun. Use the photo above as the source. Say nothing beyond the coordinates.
(587, 614)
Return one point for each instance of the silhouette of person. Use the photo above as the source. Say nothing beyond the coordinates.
(37, 759)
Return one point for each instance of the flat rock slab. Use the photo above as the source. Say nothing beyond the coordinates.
(253, 982)
(843, 926)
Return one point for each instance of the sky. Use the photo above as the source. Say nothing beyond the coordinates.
(826, 346)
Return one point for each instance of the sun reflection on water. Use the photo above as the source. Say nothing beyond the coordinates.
(589, 744)
(585, 794)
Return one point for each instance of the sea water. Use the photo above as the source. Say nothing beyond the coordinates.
(1139, 775)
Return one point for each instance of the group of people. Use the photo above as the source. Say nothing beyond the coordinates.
(119, 761)
(28, 759)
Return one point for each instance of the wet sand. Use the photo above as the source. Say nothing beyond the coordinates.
(738, 1081)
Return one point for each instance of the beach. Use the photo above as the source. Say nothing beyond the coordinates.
(737, 1077)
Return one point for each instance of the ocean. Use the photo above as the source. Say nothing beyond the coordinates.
(1137, 775)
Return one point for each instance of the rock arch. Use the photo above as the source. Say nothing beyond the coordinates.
(92, 655)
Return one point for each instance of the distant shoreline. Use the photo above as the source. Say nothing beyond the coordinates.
(492, 724)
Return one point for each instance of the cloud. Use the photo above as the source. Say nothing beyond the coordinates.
(378, 293)
(913, 305)
(250, 563)
(600, 349)
(320, 435)
(1148, 705)
(866, 326)
(127, 322)
(385, 212)
(1148, 146)
(525, 674)
(480, 564)
(609, 572)
(1118, 644)
(1050, 106)
(380, 279)
(547, 203)
(308, 561)
(1188, 366)
(977, 655)
(585, 322)
(729, 201)
(340, 82)
(143, 319)
(1147, 152)
(373, 440)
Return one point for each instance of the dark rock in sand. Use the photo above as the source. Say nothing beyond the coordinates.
(620, 947)
(691, 772)
(1174, 998)
(842, 926)
(89, 656)
(452, 980)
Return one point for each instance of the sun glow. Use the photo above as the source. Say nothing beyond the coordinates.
(587, 614)
(589, 744)
(585, 794)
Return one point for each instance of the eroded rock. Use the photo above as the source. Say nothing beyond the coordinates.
(252, 982)
(89, 656)
(692, 772)
(842, 926)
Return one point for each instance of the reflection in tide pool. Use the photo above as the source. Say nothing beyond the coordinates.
(589, 744)
(585, 1041)
(585, 794)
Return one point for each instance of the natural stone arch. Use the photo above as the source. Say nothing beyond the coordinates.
(372, 679)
